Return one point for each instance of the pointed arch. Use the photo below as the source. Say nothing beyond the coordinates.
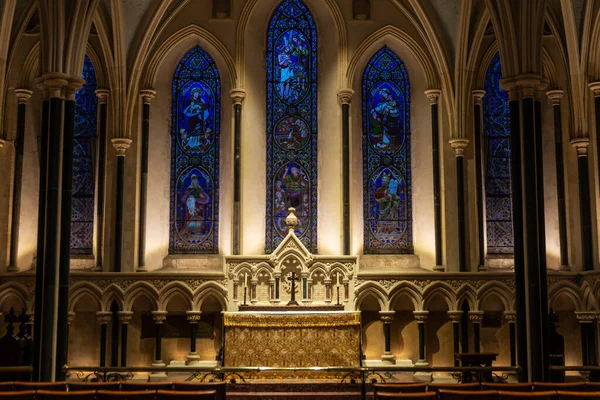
(135, 291)
(406, 288)
(441, 289)
(111, 294)
(371, 289)
(207, 290)
(171, 290)
(83, 289)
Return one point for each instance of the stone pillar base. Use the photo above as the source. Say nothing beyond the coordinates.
(388, 359)
(158, 376)
(423, 376)
(439, 268)
(192, 359)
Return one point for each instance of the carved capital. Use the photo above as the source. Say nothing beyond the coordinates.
(125, 316)
(147, 95)
(53, 84)
(459, 146)
(421, 316)
(455, 316)
(74, 84)
(387, 316)
(595, 88)
(476, 316)
(478, 96)
(510, 317)
(121, 145)
(522, 86)
(104, 317)
(23, 95)
(585, 317)
(433, 95)
(159, 316)
(102, 95)
(581, 146)
(345, 95)
(555, 96)
(237, 95)
(193, 317)
(70, 317)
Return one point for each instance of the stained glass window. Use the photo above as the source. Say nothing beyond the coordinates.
(387, 196)
(291, 124)
(84, 180)
(497, 163)
(195, 131)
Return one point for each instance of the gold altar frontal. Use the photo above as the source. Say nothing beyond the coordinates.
(292, 339)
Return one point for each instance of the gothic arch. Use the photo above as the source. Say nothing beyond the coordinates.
(441, 289)
(84, 289)
(409, 290)
(467, 293)
(111, 294)
(15, 290)
(138, 289)
(207, 290)
(171, 290)
(570, 290)
(374, 290)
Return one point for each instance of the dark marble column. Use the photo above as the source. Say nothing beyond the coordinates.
(104, 317)
(237, 96)
(121, 145)
(102, 95)
(585, 212)
(23, 96)
(387, 317)
(193, 318)
(456, 318)
(345, 97)
(159, 318)
(555, 97)
(124, 319)
(587, 322)
(421, 317)
(433, 96)
(478, 135)
(476, 317)
(511, 318)
(459, 146)
(147, 96)
(595, 87)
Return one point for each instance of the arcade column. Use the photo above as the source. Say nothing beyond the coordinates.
(345, 97)
(237, 96)
(476, 317)
(193, 318)
(124, 319)
(387, 317)
(421, 318)
(587, 325)
(511, 318)
(478, 143)
(159, 318)
(433, 96)
(103, 317)
(456, 318)
(581, 145)
(459, 146)
(102, 95)
(121, 145)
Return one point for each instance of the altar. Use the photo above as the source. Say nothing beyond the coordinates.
(291, 339)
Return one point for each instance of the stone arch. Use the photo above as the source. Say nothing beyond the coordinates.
(111, 294)
(317, 268)
(466, 293)
(172, 290)
(207, 290)
(138, 289)
(498, 289)
(84, 289)
(264, 268)
(480, 72)
(567, 289)
(409, 290)
(15, 291)
(441, 289)
(374, 290)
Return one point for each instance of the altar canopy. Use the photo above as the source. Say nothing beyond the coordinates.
(292, 339)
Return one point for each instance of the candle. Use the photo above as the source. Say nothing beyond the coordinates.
(246, 278)
(338, 278)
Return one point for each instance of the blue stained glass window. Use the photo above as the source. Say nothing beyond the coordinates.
(195, 132)
(84, 179)
(497, 163)
(291, 124)
(387, 198)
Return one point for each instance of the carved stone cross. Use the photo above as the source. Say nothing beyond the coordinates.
(293, 279)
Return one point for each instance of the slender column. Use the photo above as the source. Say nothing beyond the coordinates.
(23, 96)
(121, 145)
(147, 96)
(433, 96)
(587, 320)
(476, 317)
(555, 97)
(387, 317)
(159, 318)
(459, 146)
(102, 95)
(345, 97)
(581, 146)
(421, 317)
(237, 96)
(124, 319)
(193, 318)
(114, 336)
(511, 318)
(70, 320)
(456, 318)
(478, 143)
(104, 317)
(595, 87)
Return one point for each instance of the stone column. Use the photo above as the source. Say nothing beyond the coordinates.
(511, 318)
(345, 97)
(585, 212)
(478, 141)
(456, 318)
(595, 87)
(124, 319)
(159, 318)
(387, 317)
(433, 96)
(102, 95)
(104, 317)
(23, 96)
(253, 283)
(237, 96)
(459, 146)
(555, 97)
(147, 96)
(121, 145)
(193, 318)
(70, 320)
(421, 318)
(327, 283)
(476, 317)
(587, 320)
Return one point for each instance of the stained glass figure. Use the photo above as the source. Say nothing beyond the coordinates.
(195, 129)
(291, 124)
(387, 196)
(84, 181)
(497, 162)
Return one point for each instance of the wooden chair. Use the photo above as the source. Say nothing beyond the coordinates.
(181, 395)
(565, 387)
(507, 387)
(56, 386)
(399, 387)
(137, 386)
(446, 394)
(57, 395)
(453, 386)
(219, 387)
(406, 396)
(6, 386)
(562, 395)
(77, 386)
(131, 395)
(23, 395)
(547, 395)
